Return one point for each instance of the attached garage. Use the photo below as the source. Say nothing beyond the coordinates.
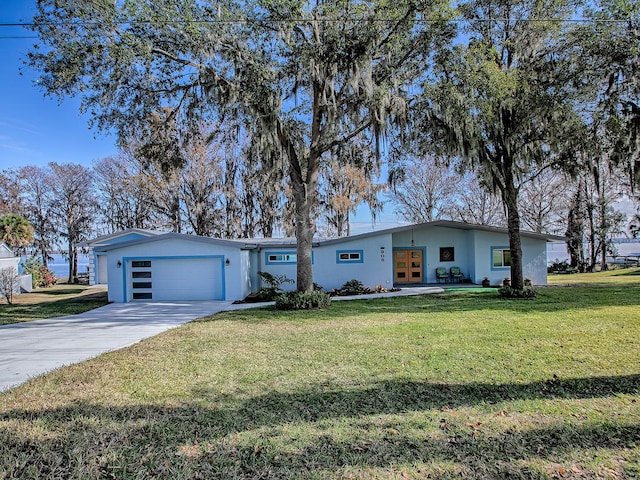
(176, 267)
(174, 278)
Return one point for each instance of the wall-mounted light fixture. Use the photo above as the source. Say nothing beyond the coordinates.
(119, 264)
(227, 262)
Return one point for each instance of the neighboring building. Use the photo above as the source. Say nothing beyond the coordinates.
(9, 260)
(142, 265)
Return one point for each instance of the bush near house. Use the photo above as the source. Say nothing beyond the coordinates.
(41, 276)
(273, 286)
(302, 300)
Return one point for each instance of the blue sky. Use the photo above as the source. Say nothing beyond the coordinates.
(34, 129)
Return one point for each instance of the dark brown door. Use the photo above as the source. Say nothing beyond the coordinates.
(407, 266)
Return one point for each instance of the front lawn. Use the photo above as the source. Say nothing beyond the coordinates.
(55, 301)
(457, 385)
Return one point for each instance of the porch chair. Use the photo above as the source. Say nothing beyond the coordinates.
(455, 274)
(441, 274)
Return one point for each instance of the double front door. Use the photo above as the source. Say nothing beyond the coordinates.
(407, 266)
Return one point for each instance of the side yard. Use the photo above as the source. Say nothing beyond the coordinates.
(455, 385)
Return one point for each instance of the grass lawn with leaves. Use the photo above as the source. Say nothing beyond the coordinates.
(455, 385)
(55, 301)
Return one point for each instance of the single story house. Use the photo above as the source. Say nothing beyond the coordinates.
(142, 265)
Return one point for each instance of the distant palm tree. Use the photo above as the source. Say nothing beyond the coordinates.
(15, 231)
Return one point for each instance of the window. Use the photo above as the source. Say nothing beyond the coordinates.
(140, 274)
(501, 257)
(142, 296)
(349, 256)
(141, 263)
(281, 258)
(142, 284)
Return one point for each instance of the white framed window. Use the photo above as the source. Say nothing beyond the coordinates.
(349, 256)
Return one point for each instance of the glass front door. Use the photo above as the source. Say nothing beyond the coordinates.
(407, 266)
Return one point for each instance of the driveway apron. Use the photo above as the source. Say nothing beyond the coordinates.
(32, 348)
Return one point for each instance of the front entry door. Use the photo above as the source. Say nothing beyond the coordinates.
(407, 266)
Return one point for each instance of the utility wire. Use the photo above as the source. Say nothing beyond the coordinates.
(301, 20)
(304, 20)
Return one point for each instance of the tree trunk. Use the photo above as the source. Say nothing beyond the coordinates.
(602, 233)
(304, 237)
(45, 256)
(75, 263)
(70, 279)
(304, 194)
(510, 196)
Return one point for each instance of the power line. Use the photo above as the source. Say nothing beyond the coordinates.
(302, 20)
(342, 19)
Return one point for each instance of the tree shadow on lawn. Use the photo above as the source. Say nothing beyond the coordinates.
(251, 440)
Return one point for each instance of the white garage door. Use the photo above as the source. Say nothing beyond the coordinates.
(176, 279)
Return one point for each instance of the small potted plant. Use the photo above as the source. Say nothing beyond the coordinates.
(506, 282)
(486, 282)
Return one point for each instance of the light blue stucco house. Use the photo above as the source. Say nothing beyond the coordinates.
(143, 265)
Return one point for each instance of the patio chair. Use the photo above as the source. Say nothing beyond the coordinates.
(455, 274)
(441, 274)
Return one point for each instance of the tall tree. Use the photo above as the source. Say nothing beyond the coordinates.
(201, 185)
(349, 180)
(608, 55)
(306, 77)
(10, 195)
(544, 201)
(161, 150)
(263, 192)
(576, 226)
(123, 197)
(424, 190)
(72, 207)
(499, 101)
(478, 204)
(37, 196)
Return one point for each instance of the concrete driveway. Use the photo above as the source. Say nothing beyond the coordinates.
(33, 348)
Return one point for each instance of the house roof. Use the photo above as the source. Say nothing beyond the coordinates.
(111, 236)
(444, 224)
(252, 243)
(5, 251)
(169, 236)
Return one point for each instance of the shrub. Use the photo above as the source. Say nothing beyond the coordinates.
(302, 300)
(41, 276)
(509, 292)
(274, 286)
(353, 287)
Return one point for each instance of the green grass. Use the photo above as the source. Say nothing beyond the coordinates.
(457, 385)
(55, 301)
